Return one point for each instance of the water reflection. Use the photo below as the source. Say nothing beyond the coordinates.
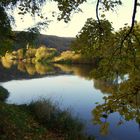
(30, 68)
(125, 100)
(118, 85)
(37, 69)
(122, 84)
(80, 70)
(122, 81)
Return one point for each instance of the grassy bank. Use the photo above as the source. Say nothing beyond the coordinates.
(16, 123)
(40, 120)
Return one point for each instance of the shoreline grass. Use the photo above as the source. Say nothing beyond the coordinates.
(59, 121)
(40, 120)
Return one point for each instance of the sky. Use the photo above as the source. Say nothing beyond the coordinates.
(122, 15)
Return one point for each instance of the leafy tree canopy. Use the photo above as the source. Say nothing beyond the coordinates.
(66, 8)
(93, 37)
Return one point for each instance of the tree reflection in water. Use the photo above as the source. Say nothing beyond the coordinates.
(30, 68)
(122, 81)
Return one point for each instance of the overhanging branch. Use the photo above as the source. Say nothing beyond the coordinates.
(132, 23)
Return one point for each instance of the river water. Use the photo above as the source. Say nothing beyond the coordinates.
(73, 88)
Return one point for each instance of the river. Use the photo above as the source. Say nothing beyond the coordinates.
(71, 87)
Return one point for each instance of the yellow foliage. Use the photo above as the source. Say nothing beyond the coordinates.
(14, 53)
(30, 69)
(6, 62)
(21, 66)
(8, 56)
(20, 54)
(41, 69)
(30, 52)
(41, 53)
(68, 55)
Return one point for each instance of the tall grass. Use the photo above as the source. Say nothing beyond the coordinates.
(60, 121)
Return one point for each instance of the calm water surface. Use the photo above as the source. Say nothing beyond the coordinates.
(75, 91)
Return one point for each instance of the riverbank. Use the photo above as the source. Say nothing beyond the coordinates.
(40, 120)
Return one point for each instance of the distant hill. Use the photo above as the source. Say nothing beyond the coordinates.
(60, 43)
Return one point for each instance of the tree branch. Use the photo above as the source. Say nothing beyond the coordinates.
(97, 11)
(133, 21)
